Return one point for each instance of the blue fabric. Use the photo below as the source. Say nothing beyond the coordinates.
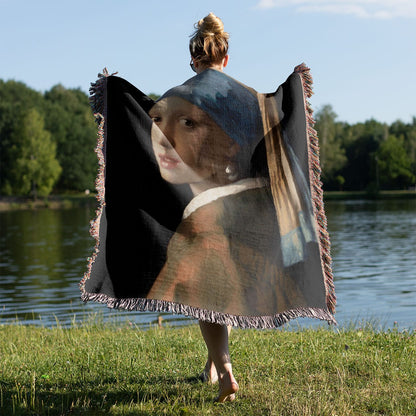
(213, 91)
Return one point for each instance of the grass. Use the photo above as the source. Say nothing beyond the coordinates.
(108, 369)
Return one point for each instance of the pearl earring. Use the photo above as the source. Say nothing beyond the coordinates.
(231, 172)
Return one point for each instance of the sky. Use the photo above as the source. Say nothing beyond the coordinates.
(362, 53)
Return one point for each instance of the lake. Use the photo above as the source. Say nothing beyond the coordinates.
(43, 257)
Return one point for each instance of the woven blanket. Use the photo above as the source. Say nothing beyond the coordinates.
(210, 202)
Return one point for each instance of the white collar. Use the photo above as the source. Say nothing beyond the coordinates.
(213, 194)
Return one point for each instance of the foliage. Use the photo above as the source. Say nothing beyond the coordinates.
(35, 169)
(16, 99)
(332, 154)
(72, 133)
(366, 156)
(108, 369)
(394, 163)
(153, 96)
(71, 123)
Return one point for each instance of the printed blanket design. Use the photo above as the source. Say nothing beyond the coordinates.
(210, 202)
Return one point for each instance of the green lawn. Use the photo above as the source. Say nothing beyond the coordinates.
(109, 369)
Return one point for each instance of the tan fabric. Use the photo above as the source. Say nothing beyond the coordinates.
(236, 265)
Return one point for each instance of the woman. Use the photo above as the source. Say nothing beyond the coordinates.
(209, 49)
(225, 220)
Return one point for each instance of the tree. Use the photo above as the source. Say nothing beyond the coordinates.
(332, 154)
(362, 142)
(8, 118)
(71, 123)
(408, 133)
(15, 92)
(394, 164)
(35, 169)
(15, 99)
(153, 96)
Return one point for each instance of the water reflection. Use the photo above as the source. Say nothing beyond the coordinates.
(43, 257)
(374, 260)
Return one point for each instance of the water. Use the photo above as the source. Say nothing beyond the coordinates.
(374, 260)
(43, 257)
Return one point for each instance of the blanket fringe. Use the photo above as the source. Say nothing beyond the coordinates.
(97, 102)
(97, 91)
(316, 188)
(245, 322)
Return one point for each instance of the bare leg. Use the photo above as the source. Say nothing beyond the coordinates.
(209, 374)
(216, 339)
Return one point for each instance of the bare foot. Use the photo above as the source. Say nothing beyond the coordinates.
(209, 375)
(228, 388)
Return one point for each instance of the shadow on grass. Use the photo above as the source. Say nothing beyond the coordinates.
(98, 397)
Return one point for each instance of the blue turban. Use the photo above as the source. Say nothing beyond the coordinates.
(233, 106)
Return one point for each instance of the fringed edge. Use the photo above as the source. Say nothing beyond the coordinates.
(316, 187)
(245, 322)
(97, 103)
(97, 91)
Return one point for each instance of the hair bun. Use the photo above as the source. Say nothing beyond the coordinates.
(209, 43)
(210, 25)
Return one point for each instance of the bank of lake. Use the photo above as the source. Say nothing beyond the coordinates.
(62, 201)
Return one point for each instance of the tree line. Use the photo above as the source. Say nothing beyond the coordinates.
(47, 140)
(47, 143)
(369, 156)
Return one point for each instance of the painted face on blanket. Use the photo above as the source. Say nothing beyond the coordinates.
(189, 146)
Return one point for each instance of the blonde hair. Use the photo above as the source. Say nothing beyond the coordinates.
(209, 42)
